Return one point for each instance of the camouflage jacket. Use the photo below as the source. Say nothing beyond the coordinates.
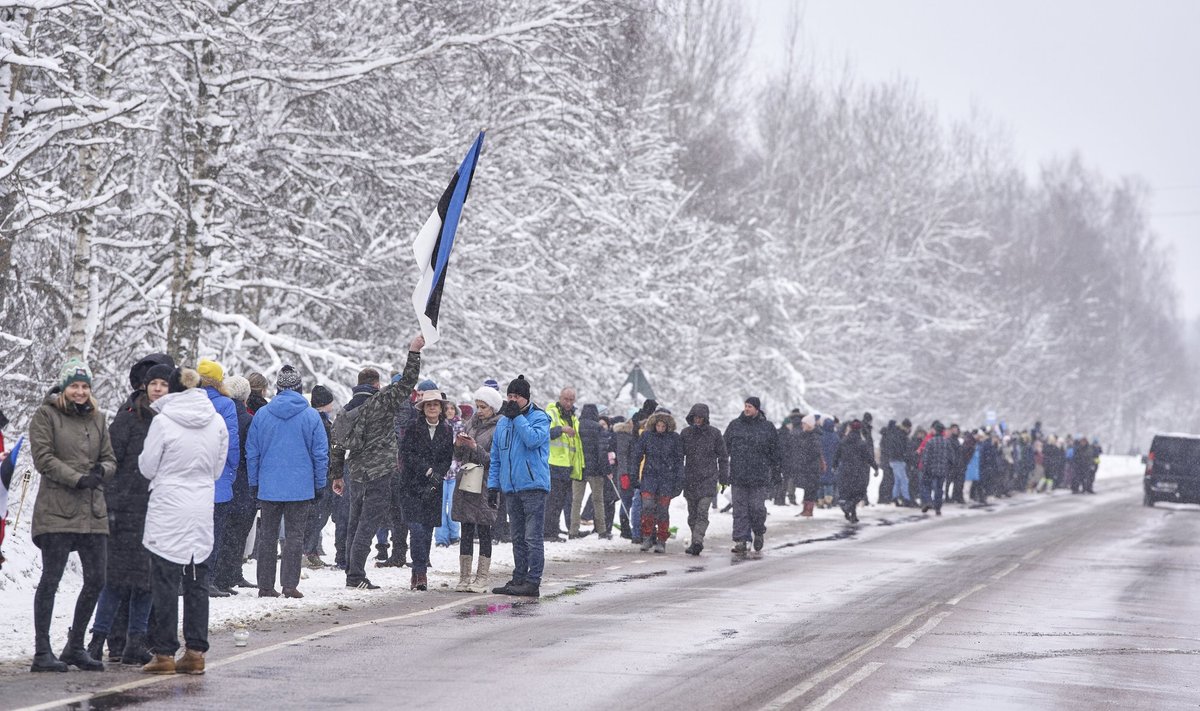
(367, 440)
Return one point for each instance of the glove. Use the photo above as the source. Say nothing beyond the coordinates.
(493, 499)
(624, 482)
(510, 409)
(88, 481)
(97, 470)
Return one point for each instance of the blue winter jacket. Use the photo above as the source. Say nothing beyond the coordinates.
(521, 452)
(287, 452)
(226, 409)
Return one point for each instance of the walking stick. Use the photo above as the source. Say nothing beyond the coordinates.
(621, 501)
(26, 476)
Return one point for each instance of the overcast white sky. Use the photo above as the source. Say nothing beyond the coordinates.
(1117, 80)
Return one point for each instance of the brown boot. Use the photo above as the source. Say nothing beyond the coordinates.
(808, 508)
(192, 662)
(292, 592)
(160, 664)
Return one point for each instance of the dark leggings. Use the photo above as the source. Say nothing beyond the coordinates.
(56, 548)
(466, 544)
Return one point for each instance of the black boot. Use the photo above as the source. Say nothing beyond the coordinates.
(43, 659)
(135, 650)
(76, 654)
(381, 551)
(95, 648)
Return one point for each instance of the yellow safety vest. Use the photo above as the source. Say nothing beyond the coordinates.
(565, 451)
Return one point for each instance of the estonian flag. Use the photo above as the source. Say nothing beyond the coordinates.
(7, 468)
(434, 242)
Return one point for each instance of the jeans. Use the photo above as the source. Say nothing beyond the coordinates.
(420, 538)
(749, 511)
(900, 485)
(698, 517)
(294, 517)
(933, 488)
(635, 514)
(110, 599)
(450, 531)
(322, 509)
(56, 548)
(370, 503)
(165, 578)
(526, 518)
(239, 521)
(597, 484)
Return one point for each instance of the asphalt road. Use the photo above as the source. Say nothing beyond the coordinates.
(1063, 602)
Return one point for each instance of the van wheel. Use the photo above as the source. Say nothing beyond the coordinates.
(1148, 500)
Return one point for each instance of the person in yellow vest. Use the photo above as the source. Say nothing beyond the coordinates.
(566, 461)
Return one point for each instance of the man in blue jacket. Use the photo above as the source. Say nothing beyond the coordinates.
(521, 469)
(287, 459)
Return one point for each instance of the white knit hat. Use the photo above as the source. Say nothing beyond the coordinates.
(490, 396)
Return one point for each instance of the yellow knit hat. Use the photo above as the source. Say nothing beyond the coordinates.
(211, 370)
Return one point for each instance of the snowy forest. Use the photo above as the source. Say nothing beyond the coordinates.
(243, 180)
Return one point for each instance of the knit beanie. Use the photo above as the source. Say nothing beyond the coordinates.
(138, 374)
(519, 386)
(426, 384)
(491, 383)
(210, 370)
(289, 379)
(237, 387)
(162, 372)
(258, 382)
(752, 400)
(74, 371)
(490, 396)
(321, 396)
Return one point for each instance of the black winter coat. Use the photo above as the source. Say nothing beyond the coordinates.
(128, 495)
(241, 481)
(939, 458)
(705, 459)
(660, 458)
(802, 457)
(420, 493)
(893, 444)
(853, 461)
(591, 435)
(623, 443)
(753, 446)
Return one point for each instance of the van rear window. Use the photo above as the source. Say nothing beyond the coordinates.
(1177, 451)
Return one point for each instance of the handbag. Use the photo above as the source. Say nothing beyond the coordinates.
(470, 478)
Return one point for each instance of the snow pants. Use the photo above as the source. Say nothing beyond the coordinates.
(749, 511)
(656, 516)
(698, 517)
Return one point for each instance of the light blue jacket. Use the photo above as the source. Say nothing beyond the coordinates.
(228, 412)
(287, 450)
(521, 452)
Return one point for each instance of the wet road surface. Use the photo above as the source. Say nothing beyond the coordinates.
(1066, 602)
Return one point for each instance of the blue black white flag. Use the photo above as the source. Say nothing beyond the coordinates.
(435, 241)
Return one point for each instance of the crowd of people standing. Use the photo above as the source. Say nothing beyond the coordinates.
(160, 503)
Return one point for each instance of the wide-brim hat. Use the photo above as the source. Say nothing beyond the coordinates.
(430, 396)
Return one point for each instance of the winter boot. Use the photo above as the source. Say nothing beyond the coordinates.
(647, 543)
(160, 664)
(464, 574)
(758, 542)
(192, 662)
(43, 659)
(503, 589)
(482, 572)
(739, 549)
(135, 650)
(660, 547)
(95, 648)
(422, 582)
(75, 653)
(381, 551)
(808, 509)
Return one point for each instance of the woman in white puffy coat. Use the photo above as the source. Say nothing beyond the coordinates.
(183, 457)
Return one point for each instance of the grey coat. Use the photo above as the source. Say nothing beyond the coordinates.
(469, 507)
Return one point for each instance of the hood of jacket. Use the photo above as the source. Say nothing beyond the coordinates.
(190, 408)
(625, 427)
(657, 417)
(287, 404)
(698, 411)
(828, 426)
(590, 412)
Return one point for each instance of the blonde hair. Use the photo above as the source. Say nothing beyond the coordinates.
(61, 402)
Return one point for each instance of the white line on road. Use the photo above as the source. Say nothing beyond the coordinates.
(1032, 554)
(643, 560)
(613, 567)
(809, 684)
(585, 575)
(1006, 571)
(964, 596)
(925, 628)
(328, 632)
(844, 685)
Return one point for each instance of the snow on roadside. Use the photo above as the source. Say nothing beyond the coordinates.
(325, 589)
